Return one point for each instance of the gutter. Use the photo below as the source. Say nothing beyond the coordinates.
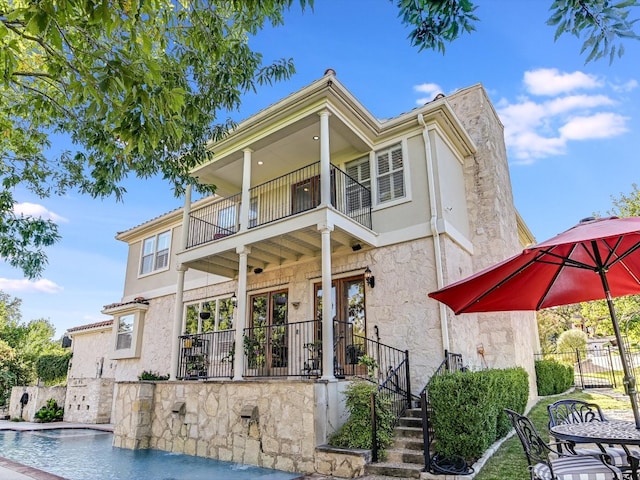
(433, 222)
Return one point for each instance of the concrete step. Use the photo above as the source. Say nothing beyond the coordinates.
(390, 469)
(404, 455)
(413, 413)
(410, 422)
(410, 432)
(408, 443)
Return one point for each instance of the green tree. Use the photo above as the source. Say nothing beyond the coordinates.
(138, 86)
(599, 24)
(552, 322)
(572, 340)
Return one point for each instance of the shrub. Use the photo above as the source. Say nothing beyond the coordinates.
(50, 412)
(468, 409)
(356, 432)
(552, 377)
(152, 376)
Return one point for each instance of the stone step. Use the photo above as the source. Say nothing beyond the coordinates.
(411, 432)
(389, 469)
(404, 455)
(410, 422)
(408, 443)
(413, 413)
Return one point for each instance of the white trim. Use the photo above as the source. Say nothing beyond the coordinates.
(138, 311)
(155, 254)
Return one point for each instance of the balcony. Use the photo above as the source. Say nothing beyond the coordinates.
(283, 197)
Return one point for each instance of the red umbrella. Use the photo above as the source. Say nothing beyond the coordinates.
(596, 259)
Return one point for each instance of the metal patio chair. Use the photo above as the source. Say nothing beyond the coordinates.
(547, 464)
(578, 411)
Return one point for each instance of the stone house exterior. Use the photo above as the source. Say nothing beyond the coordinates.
(314, 194)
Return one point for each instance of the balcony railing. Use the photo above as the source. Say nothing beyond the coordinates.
(288, 195)
(292, 350)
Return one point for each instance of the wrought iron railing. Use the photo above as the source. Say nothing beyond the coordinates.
(214, 221)
(206, 355)
(282, 197)
(452, 363)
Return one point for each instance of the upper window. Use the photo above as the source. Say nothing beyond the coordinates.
(390, 174)
(359, 172)
(125, 332)
(155, 253)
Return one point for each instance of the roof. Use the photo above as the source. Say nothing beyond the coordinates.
(89, 326)
(137, 300)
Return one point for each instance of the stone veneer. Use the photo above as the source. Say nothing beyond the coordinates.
(38, 397)
(89, 400)
(265, 423)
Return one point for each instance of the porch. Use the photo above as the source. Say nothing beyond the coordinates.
(291, 350)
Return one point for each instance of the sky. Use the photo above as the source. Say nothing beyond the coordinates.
(572, 130)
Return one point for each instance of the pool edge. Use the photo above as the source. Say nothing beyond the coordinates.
(26, 471)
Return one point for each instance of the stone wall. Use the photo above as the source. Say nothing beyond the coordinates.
(89, 400)
(38, 397)
(272, 424)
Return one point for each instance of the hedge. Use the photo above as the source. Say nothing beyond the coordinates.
(53, 368)
(553, 377)
(468, 414)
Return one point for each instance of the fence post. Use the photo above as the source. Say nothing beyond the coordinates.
(374, 430)
(425, 431)
(406, 359)
(579, 368)
(613, 373)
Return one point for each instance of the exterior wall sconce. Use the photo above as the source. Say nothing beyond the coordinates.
(295, 305)
(369, 278)
(234, 300)
(257, 271)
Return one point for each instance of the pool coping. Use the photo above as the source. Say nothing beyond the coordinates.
(24, 471)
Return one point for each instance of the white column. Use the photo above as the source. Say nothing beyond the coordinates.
(177, 322)
(246, 184)
(325, 160)
(327, 318)
(240, 313)
(177, 314)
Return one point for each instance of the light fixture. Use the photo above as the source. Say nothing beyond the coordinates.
(316, 137)
(295, 305)
(234, 299)
(260, 162)
(369, 278)
(356, 246)
(257, 270)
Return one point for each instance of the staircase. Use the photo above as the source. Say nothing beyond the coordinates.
(405, 458)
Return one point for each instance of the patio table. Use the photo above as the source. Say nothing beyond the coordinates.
(619, 432)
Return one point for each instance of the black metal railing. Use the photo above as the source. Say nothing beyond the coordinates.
(206, 355)
(214, 221)
(282, 197)
(452, 363)
(594, 367)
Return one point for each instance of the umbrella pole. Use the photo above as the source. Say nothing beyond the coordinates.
(628, 380)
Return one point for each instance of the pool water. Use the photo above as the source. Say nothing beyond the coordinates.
(86, 454)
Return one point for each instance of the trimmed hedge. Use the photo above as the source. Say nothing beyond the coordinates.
(553, 377)
(468, 409)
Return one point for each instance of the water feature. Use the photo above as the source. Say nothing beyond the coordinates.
(86, 454)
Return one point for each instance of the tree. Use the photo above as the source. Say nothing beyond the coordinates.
(552, 322)
(572, 340)
(137, 85)
(600, 24)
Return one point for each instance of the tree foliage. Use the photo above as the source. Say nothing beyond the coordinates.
(601, 25)
(552, 322)
(572, 340)
(138, 86)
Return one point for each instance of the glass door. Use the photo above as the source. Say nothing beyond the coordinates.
(267, 341)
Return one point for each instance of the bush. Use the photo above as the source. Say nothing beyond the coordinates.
(51, 412)
(468, 409)
(356, 432)
(152, 376)
(552, 377)
(53, 368)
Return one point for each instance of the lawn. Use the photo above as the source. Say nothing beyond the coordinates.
(509, 461)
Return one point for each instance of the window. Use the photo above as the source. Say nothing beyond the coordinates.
(390, 174)
(125, 331)
(220, 316)
(359, 172)
(155, 253)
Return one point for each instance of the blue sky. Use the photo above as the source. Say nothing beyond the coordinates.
(572, 130)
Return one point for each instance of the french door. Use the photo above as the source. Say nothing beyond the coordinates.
(266, 344)
(350, 327)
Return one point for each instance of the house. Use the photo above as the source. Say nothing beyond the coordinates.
(316, 198)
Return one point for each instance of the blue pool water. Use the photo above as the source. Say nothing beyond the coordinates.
(85, 454)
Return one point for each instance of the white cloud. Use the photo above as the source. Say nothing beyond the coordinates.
(536, 129)
(550, 81)
(429, 89)
(625, 87)
(27, 286)
(36, 210)
(601, 125)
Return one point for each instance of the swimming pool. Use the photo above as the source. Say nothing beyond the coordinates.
(86, 454)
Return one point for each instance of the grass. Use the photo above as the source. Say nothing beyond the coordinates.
(509, 461)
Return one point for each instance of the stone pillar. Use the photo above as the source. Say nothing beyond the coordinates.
(133, 415)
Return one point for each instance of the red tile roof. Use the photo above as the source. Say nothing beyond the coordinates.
(89, 326)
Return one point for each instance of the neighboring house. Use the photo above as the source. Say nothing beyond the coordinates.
(314, 195)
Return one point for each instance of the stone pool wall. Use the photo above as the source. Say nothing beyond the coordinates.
(270, 424)
(38, 397)
(89, 400)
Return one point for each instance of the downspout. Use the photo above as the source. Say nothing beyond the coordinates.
(433, 222)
